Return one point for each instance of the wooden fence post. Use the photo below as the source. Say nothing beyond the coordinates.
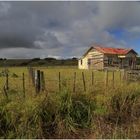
(84, 81)
(59, 81)
(5, 92)
(29, 77)
(106, 78)
(74, 82)
(33, 77)
(42, 80)
(120, 75)
(92, 77)
(113, 76)
(38, 80)
(23, 84)
(38, 85)
(7, 81)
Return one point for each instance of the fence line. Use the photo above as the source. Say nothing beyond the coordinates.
(39, 80)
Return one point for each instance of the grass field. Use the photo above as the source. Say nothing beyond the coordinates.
(102, 111)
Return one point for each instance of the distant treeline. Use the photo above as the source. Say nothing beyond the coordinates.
(49, 61)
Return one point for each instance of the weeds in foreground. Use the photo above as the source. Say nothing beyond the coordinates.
(72, 115)
(60, 115)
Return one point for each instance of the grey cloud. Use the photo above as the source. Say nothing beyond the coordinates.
(133, 33)
(48, 40)
(118, 14)
(4, 8)
(62, 28)
(14, 42)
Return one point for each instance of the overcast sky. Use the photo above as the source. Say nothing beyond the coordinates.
(66, 29)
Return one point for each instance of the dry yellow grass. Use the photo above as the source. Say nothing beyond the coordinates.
(109, 112)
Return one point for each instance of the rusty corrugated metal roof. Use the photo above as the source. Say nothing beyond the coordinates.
(110, 50)
(113, 50)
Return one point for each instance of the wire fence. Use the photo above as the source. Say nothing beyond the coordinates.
(40, 81)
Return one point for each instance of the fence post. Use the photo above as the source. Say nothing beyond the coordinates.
(42, 80)
(74, 81)
(33, 77)
(7, 81)
(59, 81)
(113, 76)
(5, 92)
(92, 77)
(84, 81)
(38, 85)
(120, 75)
(23, 84)
(106, 78)
(29, 78)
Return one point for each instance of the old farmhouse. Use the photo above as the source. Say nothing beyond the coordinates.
(101, 57)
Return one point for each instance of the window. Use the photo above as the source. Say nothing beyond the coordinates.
(89, 61)
(81, 62)
(110, 60)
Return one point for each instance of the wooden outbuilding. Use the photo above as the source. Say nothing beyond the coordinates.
(101, 57)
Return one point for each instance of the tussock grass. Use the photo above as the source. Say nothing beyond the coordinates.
(59, 115)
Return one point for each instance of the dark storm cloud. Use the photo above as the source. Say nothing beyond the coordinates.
(10, 41)
(63, 28)
(22, 23)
